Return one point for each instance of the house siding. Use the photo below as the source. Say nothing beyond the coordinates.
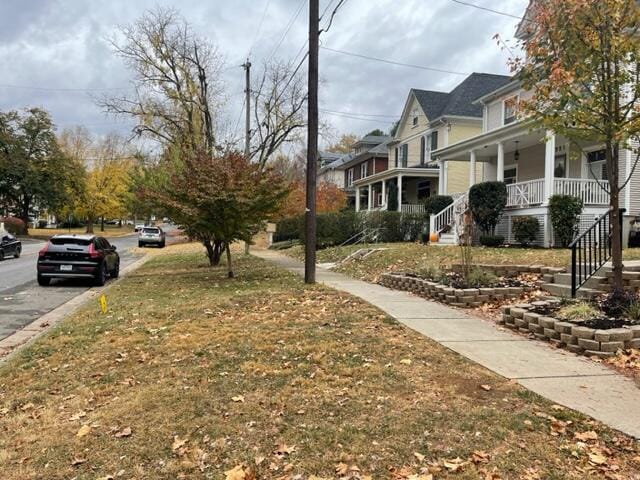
(458, 172)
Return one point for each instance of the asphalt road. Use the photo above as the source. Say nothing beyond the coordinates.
(22, 300)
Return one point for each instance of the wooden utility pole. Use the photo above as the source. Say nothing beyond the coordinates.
(312, 144)
(247, 91)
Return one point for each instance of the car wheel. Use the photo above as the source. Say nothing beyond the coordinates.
(43, 281)
(1, 255)
(17, 252)
(101, 277)
(115, 273)
(140, 245)
(161, 244)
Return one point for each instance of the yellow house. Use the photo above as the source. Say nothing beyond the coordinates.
(430, 120)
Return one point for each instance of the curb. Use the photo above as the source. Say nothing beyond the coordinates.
(10, 345)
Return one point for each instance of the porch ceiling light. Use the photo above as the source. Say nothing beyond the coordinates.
(516, 154)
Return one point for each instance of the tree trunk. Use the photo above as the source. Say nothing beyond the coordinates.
(24, 213)
(229, 265)
(89, 225)
(102, 223)
(616, 227)
(218, 248)
(210, 251)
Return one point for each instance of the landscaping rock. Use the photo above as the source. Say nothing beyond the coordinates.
(546, 322)
(601, 335)
(531, 317)
(583, 332)
(588, 344)
(569, 339)
(595, 353)
(575, 348)
(611, 346)
(518, 312)
(635, 343)
(636, 331)
(551, 333)
(620, 334)
(563, 327)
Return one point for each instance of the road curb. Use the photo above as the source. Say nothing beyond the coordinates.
(10, 345)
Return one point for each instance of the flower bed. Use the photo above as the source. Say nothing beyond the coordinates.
(589, 337)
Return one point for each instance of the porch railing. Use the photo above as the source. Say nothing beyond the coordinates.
(447, 217)
(589, 191)
(524, 194)
(411, 208)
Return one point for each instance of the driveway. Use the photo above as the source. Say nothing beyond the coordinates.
(22, 300)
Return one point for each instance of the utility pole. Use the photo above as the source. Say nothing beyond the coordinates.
(312, 144)
(247, 91)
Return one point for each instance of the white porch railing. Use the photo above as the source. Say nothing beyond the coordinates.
(589, 191)
(412, 208)
(524, 194)
(447, 217)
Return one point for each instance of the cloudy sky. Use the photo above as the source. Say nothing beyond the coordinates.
(55, 53)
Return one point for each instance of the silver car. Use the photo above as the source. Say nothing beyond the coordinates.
(151, 236)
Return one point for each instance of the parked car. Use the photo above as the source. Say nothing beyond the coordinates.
(138, 227)
(9, 246)
(78, 256)
(151, 236)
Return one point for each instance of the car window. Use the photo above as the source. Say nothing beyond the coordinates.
(151, 230)
(105, 242)
(70, 241)
(5, 238)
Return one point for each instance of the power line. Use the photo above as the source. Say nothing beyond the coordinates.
(360, 114)
(286, 31)
(255, 39)
(352, 117)
(487, 9)
(48, 89)
(393, 62)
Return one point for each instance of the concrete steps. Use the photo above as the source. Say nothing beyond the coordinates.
(446, 239)
(564, 291)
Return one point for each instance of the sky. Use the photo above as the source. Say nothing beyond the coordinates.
(56, 54)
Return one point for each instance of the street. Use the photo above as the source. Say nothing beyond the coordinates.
(22, 300)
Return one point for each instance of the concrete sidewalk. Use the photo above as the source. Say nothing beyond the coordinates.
(560, 376)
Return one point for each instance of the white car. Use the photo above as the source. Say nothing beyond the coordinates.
(151, 236)
(138, 227)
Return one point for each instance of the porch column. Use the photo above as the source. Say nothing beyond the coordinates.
(441, 177)
(549, 164)
(384, 193)
(399, 193)
(370, 198)
(472, 169)
(500, 166)
(445, 176)
(357, 199)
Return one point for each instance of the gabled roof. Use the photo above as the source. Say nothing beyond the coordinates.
(460, 101)
(372, 140)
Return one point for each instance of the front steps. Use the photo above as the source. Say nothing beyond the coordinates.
(559, 284)
(446, 240)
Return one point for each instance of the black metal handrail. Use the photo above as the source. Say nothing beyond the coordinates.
(591, 250)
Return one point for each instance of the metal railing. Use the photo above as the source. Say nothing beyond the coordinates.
(591, 250)
(589, 191)
(524, 194)
(368, 235)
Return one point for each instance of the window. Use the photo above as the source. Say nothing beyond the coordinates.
(404, 155)
(510, 175)
(424, 190)
(510, 110)
(414, 114)
(423, 149)
(363, 169)
(560, 168)
(396, 156)
(597, 164)
(349, 177)
(434, 140)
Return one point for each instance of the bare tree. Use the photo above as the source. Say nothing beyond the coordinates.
(279, 97)
(177, 81)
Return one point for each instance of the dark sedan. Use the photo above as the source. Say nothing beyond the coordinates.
(10, 246)
(78, 256)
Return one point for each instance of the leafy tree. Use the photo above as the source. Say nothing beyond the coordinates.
(376, 133)
(392, 203)
(34, 172)
(344, 144)
(436, 203)
(221, 199)
(525, 229)
(487, 201)
(329, 199)
(394, 128)
(565, 212)
(583, 66)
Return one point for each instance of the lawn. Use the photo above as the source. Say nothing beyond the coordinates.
(191, 375)
(109, 231)
(414, 256)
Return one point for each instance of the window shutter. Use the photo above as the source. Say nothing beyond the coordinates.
(434, 140)
(423, 147)
(396, 156)
(405, 154)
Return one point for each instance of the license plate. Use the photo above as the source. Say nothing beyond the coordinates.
(66, 268)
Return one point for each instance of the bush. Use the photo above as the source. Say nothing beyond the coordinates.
(14, 225)
(617, 303)
(480, 278)
(578, 311)
(565, 212)
(526, 229)
(487, 202)
(491, 240)
(436, 203)
(289, 229)
(42, 223)
(395, 226)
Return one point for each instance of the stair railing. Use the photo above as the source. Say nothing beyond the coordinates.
(447, 217)
(591, 250)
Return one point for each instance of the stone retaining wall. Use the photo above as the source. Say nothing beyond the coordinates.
(465, 298)
(583, 340)
(513, 270)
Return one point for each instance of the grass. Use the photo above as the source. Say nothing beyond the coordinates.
(578, 311)
(190, 375)
(109, 231)
(415, 256)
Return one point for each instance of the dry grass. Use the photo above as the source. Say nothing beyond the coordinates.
(415, 256)
(190, 375)
(110, 231)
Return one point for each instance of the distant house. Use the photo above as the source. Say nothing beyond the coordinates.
(430, 120)
(331, 168)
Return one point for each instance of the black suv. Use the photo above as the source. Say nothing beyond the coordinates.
(78, 256)
(9, 245)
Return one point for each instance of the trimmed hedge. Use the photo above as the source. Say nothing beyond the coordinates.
(14, 226)
(491, 240)
(436, 203)
(487, 201)
(525, 229)
(336, 228)
(565, 212)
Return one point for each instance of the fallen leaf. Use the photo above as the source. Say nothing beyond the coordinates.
(485, 387)
(238, 398)
(78, 461)
(178, 443)
(480, 456)
(586, 436)
(597, 459)
(558, 408)
(454, 465)
(342, 469)
(419, 456)
(236, 473)
(125, 432)
(258, 460)
(83, 431)
(282, 449)
(405, 361)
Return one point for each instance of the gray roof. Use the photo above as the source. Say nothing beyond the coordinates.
(459, 102)
(333, 163)
(373, 139)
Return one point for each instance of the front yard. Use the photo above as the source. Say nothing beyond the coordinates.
(415, 256)
(191, 375)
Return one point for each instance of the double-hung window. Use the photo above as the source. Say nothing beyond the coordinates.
(404, 155)
(510, 110)
(349, 177)
(364, 169)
